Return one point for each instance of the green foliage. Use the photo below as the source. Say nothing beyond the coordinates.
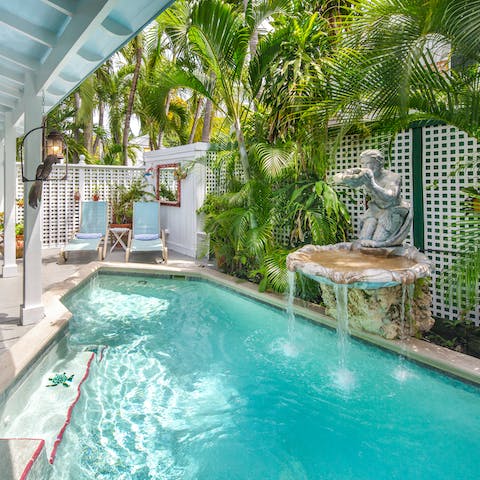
(282, 94)
(19, 229)
(123, 198)
(462, 280)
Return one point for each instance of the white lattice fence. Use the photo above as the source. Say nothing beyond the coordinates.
(444, 149)
(216, 173)
(60, 209)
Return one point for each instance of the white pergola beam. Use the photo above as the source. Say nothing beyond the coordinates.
(32, 310)
(78, 31)
(23, 61)
(9, 268)
(38, 34)
(10, 91)
(12, 76)
(7, 101)
(67, 7)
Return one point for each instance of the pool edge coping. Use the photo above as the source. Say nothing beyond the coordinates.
(19, 357)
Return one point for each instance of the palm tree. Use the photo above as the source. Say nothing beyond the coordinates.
(389, 68)
(220, 36)
(137, 45)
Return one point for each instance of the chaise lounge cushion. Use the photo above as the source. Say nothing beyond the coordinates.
(146, 236)
(88, 235)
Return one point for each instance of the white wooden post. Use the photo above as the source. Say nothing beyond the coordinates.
(2, 168)
(81, 177)
(9, 179)
(32, 310)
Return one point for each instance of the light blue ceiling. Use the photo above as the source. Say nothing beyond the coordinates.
(58, 43)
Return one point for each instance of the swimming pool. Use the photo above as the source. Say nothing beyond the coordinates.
(198, 382)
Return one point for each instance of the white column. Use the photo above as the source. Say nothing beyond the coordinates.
(32, 310)
(9, 183)
(2, 168)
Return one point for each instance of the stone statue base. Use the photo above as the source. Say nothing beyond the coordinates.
(379, 311)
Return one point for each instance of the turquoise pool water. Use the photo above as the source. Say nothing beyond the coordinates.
(198, 382)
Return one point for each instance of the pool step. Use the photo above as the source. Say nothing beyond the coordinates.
(42, 405)
(23, 458)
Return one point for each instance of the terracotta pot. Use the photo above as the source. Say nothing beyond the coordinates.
(19, 246)
(120, 225)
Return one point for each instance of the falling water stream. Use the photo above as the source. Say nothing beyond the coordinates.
(343, 377)
(290, 312)
(341, 294)
(289, 346)
(401, 371)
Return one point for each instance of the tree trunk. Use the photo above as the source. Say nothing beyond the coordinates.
(101, 116)
(88, 134)
(242, 148)
(207, 121)
(161, 133)
(196, 119)
(131, 97)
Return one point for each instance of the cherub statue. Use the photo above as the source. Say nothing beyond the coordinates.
(386, 223)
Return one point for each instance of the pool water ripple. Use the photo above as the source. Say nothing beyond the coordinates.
(200, 383)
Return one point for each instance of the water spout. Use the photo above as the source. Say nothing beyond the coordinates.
(341, 294)
(291, 296)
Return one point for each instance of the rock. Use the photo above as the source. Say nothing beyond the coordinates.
(380, 311)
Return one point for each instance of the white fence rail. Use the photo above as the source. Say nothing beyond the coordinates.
(61, 198)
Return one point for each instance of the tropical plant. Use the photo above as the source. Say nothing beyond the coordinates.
(463, 277)
(123, 197)
(137, 46)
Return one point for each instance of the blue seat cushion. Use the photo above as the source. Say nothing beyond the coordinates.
(88, 235)
(146, 236)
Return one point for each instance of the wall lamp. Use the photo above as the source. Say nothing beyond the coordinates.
(54, 149)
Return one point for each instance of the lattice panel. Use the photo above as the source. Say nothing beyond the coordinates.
(214, 177)
(444, 148)
(19, 195)
(60, 210)
(348, 156)
(216, 174)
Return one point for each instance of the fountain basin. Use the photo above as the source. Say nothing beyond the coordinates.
(387, 294)
(360, 267)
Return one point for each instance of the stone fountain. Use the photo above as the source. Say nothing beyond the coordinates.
(387, 281)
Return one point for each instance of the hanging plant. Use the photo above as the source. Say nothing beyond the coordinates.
(180, 173)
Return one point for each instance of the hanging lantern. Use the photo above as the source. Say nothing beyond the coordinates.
(54, 144)
(54, 149)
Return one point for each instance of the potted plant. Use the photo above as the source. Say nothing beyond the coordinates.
(19, 240)
(179, 173)
(95, 194)
(122, 202)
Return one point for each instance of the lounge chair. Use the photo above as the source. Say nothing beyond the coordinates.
(146, 235)
(92, 232)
